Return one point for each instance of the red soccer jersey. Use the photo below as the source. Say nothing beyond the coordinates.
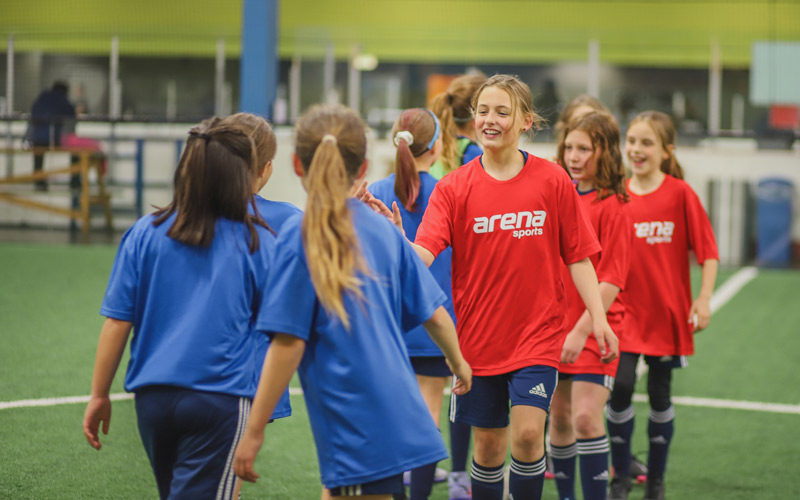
(611, 223)
(508, 240)
(667, 223)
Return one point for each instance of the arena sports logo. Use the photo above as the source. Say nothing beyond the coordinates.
(655, 231)
(522, 223)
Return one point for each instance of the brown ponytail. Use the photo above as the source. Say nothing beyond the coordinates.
(412, 133)
(331, 146)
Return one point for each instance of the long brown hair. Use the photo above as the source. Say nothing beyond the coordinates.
(569, 109)
(603, 130)
(521, 100)
(419, 126)
(214, 179)
(454, 109)
(331, 144)
(665, 130)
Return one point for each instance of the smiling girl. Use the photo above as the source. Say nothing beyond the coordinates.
(590, 152)
(660, 318)
(510, 218)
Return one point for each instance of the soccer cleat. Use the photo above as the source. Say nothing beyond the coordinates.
(460, 486)
(654, 490)
(638, 470)
(439, 477)
(619, 488)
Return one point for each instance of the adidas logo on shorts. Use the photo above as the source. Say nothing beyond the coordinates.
(539, 390)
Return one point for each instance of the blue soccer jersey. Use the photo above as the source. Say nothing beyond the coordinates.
(367, 414)
(275, 213)
(193, 308)
(418, 341)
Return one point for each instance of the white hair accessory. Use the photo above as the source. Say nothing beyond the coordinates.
(329, 138)
(403, 135)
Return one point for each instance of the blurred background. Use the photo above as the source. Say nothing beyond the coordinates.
(138, 73)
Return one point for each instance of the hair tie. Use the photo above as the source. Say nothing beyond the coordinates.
(329, 138)
(201, 135)
(403, 135)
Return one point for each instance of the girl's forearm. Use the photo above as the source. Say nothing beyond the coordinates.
(708, 278)
(113, 338)
(283, 358)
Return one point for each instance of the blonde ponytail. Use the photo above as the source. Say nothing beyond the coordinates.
(329, 237)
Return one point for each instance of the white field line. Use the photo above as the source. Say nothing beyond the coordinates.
(728, 404)
(719, 298)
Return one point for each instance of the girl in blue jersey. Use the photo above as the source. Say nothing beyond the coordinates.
(417, 135)
(187, 279)
(343, 287)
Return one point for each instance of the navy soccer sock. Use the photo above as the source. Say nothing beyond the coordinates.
(527, 479)
(594, 467)
(487, 482)
(459, 445)
(660, 428)
(422, 482)
(564, 469)
(620, 430)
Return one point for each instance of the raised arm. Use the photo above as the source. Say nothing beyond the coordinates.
(283, 357)
(113, 338)
(443, 332)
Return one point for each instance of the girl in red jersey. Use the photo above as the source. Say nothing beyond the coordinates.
(660, 317)
(511, 218)
(590, 152)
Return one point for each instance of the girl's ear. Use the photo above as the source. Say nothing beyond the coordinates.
(527, 122)
(298, 166)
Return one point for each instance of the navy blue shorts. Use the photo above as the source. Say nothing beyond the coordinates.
(430, 366)
(487, 404)
(606, 381)
(189, 437)
(386, 486)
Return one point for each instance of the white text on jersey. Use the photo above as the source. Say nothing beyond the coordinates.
(655, 231)
(522, 223)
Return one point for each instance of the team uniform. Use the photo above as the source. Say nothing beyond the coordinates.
(507, 237)
(193, 348)
(367, 415)
(611, 224)
(667, 224)
(275, 213)
(418, 342)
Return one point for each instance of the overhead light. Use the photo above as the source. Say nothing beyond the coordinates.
(365, 62)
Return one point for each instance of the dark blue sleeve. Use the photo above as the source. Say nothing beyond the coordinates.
(473, 151)
(421, 295)
(289, 298)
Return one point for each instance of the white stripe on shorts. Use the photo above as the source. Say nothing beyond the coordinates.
(228, 481)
